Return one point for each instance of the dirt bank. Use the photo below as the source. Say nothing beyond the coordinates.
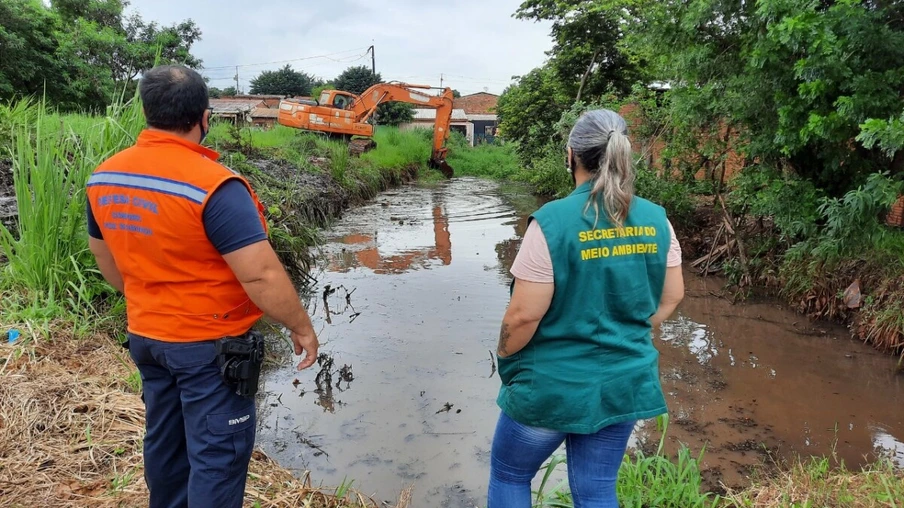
(711, 247)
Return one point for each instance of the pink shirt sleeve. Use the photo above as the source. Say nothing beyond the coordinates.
(533, 263)
(674, 258)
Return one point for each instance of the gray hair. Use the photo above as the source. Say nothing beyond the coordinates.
(600, 141)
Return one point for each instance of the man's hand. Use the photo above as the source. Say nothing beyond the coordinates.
(265, 280)
(307, 342)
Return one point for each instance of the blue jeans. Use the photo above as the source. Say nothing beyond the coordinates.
(200, 433)
(593, 463)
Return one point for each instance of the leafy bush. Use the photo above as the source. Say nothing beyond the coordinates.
(672, 194)
(547, 174)
(854, 229)
(791, 202)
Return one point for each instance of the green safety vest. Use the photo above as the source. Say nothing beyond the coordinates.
(591, 362)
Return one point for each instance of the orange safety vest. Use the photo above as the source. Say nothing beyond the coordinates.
(148, 201)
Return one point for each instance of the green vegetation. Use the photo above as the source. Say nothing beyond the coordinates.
(497, 161)
(78, 54)
(285, 81)
(776, 125)
(50, 271)
(664, 482)
(643, 481)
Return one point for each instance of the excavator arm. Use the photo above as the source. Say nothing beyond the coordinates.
(366, 104)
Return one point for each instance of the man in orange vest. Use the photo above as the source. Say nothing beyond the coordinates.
(185, 240)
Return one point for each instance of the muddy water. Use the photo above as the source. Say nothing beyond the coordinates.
(411, 292)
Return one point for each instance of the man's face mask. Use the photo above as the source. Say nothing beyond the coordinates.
(201, 125)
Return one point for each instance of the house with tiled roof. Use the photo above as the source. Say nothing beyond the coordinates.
(481, 111)
(254, 110)
(473, 115)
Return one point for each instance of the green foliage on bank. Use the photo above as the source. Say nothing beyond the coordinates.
(49, 271)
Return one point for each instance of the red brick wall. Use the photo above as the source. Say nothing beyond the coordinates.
(895, 216)
(630, 112)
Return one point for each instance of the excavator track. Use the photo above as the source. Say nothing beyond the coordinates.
(358, 146)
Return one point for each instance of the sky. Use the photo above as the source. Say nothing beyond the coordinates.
(475, 44)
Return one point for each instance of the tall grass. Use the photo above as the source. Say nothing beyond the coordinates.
(397, 149)
(487, 161)
(49, 265)
(642, 481)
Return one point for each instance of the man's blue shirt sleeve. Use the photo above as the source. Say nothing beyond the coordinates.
(93, 228)
(231, 220)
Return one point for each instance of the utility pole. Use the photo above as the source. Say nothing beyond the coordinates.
(441, 80)
(373, 60)
(237, 80)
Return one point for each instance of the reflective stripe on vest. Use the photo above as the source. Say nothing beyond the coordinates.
(149, 183)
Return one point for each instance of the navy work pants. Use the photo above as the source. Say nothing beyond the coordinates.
(200, 433)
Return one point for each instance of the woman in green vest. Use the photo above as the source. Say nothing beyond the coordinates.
(597, 270)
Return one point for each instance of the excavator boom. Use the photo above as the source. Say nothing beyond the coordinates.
(347, 115)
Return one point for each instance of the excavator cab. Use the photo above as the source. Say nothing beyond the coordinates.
(336, 99)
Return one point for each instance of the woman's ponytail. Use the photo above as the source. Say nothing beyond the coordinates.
(600, 141)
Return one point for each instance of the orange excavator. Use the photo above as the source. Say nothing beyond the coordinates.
(345, 115)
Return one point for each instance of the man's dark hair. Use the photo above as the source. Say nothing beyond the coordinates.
(174, 97)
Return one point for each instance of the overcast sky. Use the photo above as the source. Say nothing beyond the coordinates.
(476, 44)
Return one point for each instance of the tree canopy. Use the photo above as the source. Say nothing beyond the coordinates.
(285, 81)
(812, 86)
(86, 49)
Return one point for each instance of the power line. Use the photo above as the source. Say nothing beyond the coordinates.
(328, 55)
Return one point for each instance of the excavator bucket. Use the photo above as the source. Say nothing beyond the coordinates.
(443, 167)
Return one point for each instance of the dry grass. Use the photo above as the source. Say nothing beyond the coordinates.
(71, 425)
(816, 484)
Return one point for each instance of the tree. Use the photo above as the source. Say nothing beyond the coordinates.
(796, 80)
(27, 31)
(285, 81)
(528, 110)
(456, 94)
(586, 55)
(357, 79)
(84, 48)
(230, 91)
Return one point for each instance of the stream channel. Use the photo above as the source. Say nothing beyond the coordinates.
(411, 290)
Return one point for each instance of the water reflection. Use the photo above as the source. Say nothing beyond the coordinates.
(365, 249)
(888, 446)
